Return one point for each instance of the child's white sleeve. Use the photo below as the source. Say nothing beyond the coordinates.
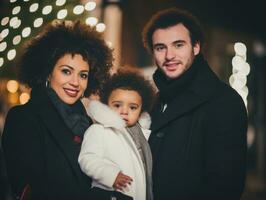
(91, 158)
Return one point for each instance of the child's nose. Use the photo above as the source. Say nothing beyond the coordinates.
(124, 110)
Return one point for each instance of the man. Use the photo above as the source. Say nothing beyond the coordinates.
(199, 123)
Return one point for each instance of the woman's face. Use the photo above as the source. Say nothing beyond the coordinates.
(69, 77)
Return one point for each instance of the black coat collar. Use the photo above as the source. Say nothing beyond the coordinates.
(193, 94)
(45, 110)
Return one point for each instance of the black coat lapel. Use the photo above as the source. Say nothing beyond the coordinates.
(56, 127)
(178, 107)
(201, 89)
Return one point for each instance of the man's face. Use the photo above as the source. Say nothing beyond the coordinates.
(173, 51)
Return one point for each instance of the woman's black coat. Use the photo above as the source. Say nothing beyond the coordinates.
(41, 156)
(199, 141)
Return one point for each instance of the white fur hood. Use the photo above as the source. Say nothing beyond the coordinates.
(102, 114)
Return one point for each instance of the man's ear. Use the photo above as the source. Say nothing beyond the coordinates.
(196, 48)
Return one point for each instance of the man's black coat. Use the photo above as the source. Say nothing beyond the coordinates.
(199, 141)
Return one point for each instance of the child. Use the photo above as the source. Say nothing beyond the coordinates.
(115, 152)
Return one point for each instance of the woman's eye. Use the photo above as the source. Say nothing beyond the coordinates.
(84, 76)
(66, 71)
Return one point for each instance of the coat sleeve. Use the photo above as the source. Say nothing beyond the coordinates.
(92, 160)
(22, 152)
(225, 148)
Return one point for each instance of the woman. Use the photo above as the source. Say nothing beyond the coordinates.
(41, 139)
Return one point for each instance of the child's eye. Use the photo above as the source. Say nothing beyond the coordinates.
(116, 105)
(133, 107)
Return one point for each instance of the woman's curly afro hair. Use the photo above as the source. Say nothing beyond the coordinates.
(59, 38)
(130, 80)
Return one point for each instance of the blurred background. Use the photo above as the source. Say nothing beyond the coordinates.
(235, 40)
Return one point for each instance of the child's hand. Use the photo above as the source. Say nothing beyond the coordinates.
(121, 181)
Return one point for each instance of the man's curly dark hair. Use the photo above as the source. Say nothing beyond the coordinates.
(66, 37)
(130, 80)
(170, 17)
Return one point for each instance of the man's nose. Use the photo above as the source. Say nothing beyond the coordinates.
(170, 54)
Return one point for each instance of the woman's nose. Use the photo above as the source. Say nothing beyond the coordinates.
(75, 81)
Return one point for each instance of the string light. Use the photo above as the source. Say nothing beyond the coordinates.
(91, 5)
(17, 24)
(60, 2)
(13, 21)
(47, 9)
(91, 21)
(12, 1)
(4, 21)
(100, 27)
(4, 33)
(3, 46)
(16, 10)
(34, 7)
(24, 98)
(38, 22)
(1, 62)
(78, 9)
(62, 14)
(26, 32)
(11, 54)
(240, 70)
(16, 39)
(12, 86)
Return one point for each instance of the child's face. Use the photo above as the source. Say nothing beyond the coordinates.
(127, 103)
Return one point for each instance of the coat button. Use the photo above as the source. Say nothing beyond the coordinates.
(160, 134)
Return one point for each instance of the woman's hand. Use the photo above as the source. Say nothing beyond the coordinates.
(121, 181)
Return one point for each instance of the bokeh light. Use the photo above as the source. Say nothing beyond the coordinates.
(91, 21)
(91, 5)
(47, 9)
(11, 54)
(60, 2)
(3, 46)
(38, 22)
(4, 21)
(16, 10)
(100, 27)
(16, 40)
(26, 32)
(24, 98)
(62, 14)
(34, 7)
(78, 9)
(12, 86)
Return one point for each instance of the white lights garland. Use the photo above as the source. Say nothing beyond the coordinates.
(15, 21)
(240, 70)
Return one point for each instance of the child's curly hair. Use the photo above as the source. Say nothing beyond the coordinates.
(130, 80)
(65, 37)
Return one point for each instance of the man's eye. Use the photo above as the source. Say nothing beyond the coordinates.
(178, 45)
(159, 48)
(66, 71)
